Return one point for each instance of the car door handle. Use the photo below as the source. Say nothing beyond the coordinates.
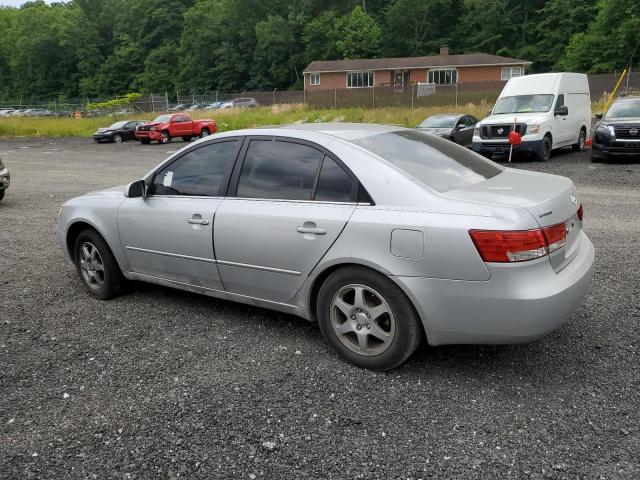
(197, 220)
(313, 230)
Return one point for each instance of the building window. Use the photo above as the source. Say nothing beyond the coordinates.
(443, 76)
(510, 72)
(359, 79)
(314, 78)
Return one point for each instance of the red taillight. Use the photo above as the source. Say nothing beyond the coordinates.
(580, 213)
(518, 245)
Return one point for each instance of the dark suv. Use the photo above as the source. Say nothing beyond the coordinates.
(617, 134)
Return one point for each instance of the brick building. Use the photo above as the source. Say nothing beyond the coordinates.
(443, 69)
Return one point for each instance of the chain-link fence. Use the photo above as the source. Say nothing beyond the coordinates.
(408, 95)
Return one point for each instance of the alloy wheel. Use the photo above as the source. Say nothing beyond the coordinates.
(91, 266)
(117, 139)
(362, 320)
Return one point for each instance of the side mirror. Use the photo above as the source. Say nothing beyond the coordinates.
(562, 111)
(460, 126)
(136, 189)
(599, 116)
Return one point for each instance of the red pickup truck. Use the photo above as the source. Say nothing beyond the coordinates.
(169, 126)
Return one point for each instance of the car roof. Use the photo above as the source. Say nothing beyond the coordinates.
(627, 99)
(346, 131)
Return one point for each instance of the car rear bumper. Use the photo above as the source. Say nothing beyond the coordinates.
(517, 304)
(502, 148)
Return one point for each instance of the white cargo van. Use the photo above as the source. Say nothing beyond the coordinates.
(550, 110)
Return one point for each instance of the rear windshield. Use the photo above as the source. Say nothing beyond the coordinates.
(438, 163)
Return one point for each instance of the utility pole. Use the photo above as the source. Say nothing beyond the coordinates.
(364, 5)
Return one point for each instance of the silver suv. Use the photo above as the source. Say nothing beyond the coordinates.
(5, 179)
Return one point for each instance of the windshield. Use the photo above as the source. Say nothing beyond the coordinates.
(117, 125)
(162, 119)
(439, 121)
(626, 108)
(436, 162)
(523, 104)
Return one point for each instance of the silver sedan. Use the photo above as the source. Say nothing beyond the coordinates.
(383, 235)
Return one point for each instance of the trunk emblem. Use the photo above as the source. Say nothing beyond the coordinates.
(574, 199)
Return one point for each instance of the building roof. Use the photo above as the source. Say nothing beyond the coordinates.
(468, 60)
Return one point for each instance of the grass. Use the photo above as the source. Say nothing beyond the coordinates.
(236, 119)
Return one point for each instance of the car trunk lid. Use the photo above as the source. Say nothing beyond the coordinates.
(550, 199)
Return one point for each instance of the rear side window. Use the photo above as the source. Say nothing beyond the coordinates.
(334, 185)
(200, 172)
(438, 163)
(276, 169)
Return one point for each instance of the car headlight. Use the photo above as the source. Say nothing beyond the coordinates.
(533, 129)
(476, 131)
(152, 128)
(606, 130)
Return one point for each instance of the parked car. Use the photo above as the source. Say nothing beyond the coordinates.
(456, 127)
(169, 126)
(6, 112)
(194, 107)
(37, 112)
(18, 112)
(5, 179)
(382, 234)
(214, 106)
(551, 110)
(240, 103)
(179, 108)
(118, 132)
(617, 134)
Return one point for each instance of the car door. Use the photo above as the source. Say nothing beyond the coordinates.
(129, 130)
(288, 202)
(470, 123)
(169, 233)
(564, 131)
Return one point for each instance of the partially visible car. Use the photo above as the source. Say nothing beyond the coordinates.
(168, 126)
(617, 133)
(179, 108)
(18, 112)
(381, 234)
(194, 107)
(5, 179)
(118, 132)
(246, 102)
(457, 127)
(549, 111)
(6, 112)
(37, 112)
(214, 106)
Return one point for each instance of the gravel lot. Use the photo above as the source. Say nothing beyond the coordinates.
(160, 383)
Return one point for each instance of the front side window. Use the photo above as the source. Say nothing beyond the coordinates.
(510, 72)
(359, 79)
(443, 76)
(314, 78)
(199, 172)
(437, 163)
(523, 104)
(279, 170)
(162, 119)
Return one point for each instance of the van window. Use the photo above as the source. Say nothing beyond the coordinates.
(560, 101)
(523, 104)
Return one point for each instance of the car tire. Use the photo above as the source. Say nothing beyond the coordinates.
(367, 318)
(544, 152)
(186, 139)
(582, 138)
(145, 141)
(96, 265)
(204, 133)
(117, 138)
(164, 138)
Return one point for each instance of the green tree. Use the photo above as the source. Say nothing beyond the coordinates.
(357, 35)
